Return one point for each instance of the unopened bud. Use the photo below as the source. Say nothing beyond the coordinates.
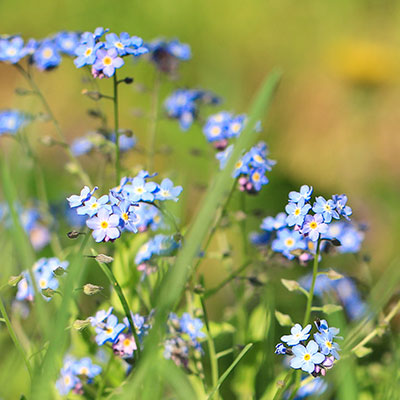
(48, 141)
(128, 80)
(48, 292)
(14, 280)
(104, 258)
(59, 271)
(22, 91)
(81, 324)
(91, 290)
(74, 234)
(96, 96)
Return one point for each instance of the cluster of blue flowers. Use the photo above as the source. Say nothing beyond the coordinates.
(106, 56)
(113, 213)
(297, 231)
(97, 141)
(182, 338)
(75, 373)
(221, 127)
(119, 334)
(45, 276)
(316, 356)
(11, 121)
(159, 245)
(166, 55)
(183, 105)
(45, 54)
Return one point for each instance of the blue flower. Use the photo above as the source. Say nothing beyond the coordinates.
(125, 44)
(93, 205)
(85, 367)
(126, 212)
(235, 126)
(274, 224)
(223, 156)
(125, 142)
(326, 343)
(314, 226)
(11, 121)
(78, 200)
(12, 49)
(104, 225)
(191, 326)
(306, 357)
(305, 194)
(349, 236)
(288, 240)
(167, 191)
(67, 381)
(340, 204)
(100, 316)
(298, 334)
(297, 212)
(140, 190)
(107, 61)
(315, 388)
(258, 178)
(326, 208)
(86, 52)
(110, 331)
(216, 126)
(46, 56)
(280, 349)
(81, 146)
(67, 42)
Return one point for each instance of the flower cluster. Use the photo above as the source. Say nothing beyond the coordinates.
(106, 56)
(167, 54)
(46, 272)
(223, 126)
(93, 140)
(296, 232)
(183, 105)
(183, 335)
(113, 213)
(45, 54)
(75, 373)
(316, 356)
(159, 245)
(11, 121)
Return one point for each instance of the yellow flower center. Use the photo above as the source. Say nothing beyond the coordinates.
(88, 52)
(313, 225)
(139, 190)
(258, 158)
(94, 205)
(297, 212)
(67, 379)
(125, 216)
(327, 207)
(127, 342)
(235, 127)
(107, 60)
(289, 242)
(328, 344)
(11, 51)
(104, 224)
(119, 45)
(84, 371)
(215, 130)
(109, 331)
(164, 193)
(307, 357)
(238, 164)
(256, 177)
(47, 53)
(42, 283)
(218, 118)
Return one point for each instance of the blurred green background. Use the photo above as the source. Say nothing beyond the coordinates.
(334, 123)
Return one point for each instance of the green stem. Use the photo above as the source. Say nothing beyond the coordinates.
(82, 174)
(116, 129)
(229, 370)
(104, 375)
(153, 122)
(314, 277)
(107, 271)
(14, 338)
(284, 385)
(211, 349)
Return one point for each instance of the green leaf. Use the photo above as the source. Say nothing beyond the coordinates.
(290, 285)
(259, 323)
(362, 351)
(283, 319)
(331, 308)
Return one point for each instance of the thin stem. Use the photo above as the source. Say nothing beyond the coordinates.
(82, 174)
(107, 271)
(153, 122)
(15, 339)
(211, 349)
(376, 331)
(314, 277)
(116, 129)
